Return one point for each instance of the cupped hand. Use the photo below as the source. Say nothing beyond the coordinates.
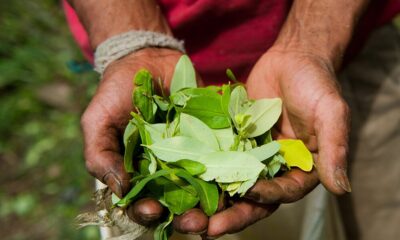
(103, 124)
(104, 121)
(313, 111)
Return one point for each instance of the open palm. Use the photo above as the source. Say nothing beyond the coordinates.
(314, 112)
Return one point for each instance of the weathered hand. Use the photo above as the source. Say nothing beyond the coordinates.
(314, 112)
(103, 124)
(107, 115)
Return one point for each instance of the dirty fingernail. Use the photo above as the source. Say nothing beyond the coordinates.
(114, 183)
(342, 180)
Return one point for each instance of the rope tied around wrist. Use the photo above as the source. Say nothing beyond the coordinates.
(121, 45)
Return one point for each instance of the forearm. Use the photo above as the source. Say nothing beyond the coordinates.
(104, 18)
(322, 27)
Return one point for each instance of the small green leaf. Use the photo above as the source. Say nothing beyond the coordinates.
(139, 186)
(230, 75)
(114, 199)
(225, 99)
(173, 128)
(238, 103)
(232, 188)
(153, 163)
(296, 154)
(195, 128)
(146, 139)
(201, 92)
(202, 103)
(179, 98)
(161, 233)
(193, 167)
(207, 192)
(144, 166)
(208, 110)
(275, 165)
(178, 200)
(245, 145)
(245, 186)
(179, 147)
(131, 137)
(140, 124)
(161, 102)
(265, 151)
(230, 167)
(142, 95)
(264, 114)
(184, 75)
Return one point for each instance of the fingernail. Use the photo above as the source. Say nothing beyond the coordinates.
(342, 180)
(114, 183)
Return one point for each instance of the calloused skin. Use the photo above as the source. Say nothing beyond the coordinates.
(308, 114)
(313, 111)
(104, 120)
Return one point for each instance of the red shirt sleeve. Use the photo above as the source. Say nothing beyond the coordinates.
(234, 34)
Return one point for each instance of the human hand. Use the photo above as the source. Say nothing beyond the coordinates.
(313, 111)
(103, 124)
(108, 113)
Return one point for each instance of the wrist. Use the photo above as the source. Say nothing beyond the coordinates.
(103, 19)
(322, 28)
(123, 44)
(330, 51)
(159, 61)
(288, 55)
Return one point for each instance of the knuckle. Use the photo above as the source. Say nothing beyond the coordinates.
(341, 107)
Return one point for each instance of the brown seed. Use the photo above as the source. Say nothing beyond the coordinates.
(193, 221)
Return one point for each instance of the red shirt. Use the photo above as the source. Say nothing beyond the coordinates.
(234, 33)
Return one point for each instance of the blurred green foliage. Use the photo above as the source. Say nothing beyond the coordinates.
(44, 183)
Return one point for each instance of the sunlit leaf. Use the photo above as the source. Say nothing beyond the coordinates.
(296, 154)
(184, 75)
(179, 147)
(264, 114)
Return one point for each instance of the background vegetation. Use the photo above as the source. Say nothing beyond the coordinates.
(44, 87)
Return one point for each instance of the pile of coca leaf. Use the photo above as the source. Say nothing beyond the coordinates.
(199, 142)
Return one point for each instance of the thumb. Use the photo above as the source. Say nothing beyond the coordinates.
(332, 128)
(102, 152)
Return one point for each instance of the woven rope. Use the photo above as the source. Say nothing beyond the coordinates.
(121, 45)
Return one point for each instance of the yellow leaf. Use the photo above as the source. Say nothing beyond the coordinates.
(296, 154)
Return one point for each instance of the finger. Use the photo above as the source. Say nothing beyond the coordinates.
(145, 211)
(234, 219)
(102, 151)
(332, 127)
(290, 187)
(193, 221)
